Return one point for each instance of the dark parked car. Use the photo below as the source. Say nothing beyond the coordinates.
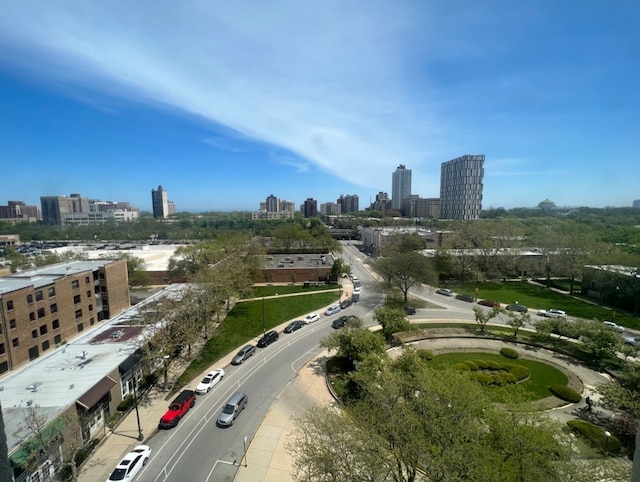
(489, 303)
(444, 292)
(268, 338)
(517, 307)
(293, 326)
(409, 310)
(339, 322)
(467, 298)
(346, 304)
(244, 353)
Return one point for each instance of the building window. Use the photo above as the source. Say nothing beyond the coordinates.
(80, 327)
(52, 292)
(57, 339)
(45, 345)
(15, 342)
(87, 280)
(92, 320)
(44, 330)
(88, 294)
(9, 304)
(39, 296)
(54, 308)
(2, 349)
(78, 314)
(12, 324)
(101, 276)
(29, 299)
(0, 329)
(41, 313)
(4, 367)
(55, 324)
(90, 307)
(76, 299)
(75, 285)
(34, 333)
(32, 316)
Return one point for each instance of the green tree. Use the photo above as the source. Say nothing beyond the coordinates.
(433, 425)
(392, 320)
(354, 344)
(517, 320)
(404, 270)
(483, 317)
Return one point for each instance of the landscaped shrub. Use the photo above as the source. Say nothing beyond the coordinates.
(481, 363)
(565, 393)
(504, 378)
(517, 371)
(482, 378)
(509, 352)
(596, 436)
(148, 381)
(494, 365)
(126, 403)
(82, 454)
(425, 354)
(462, 366)
(471, 364)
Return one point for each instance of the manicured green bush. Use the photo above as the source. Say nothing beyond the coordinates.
(518, 371)
(494, 365)
(425, 354)
(471, 365)
(483, 378)
(481, 363)
(462, 366)
(596, 436)
(504, 378)
(565, 393)
(126, 403)
(509, 353)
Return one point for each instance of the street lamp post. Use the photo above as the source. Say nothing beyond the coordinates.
(135, 403)
(606, 441)
(263, 322)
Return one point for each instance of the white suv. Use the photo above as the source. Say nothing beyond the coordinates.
(613, 326)
(552, 313)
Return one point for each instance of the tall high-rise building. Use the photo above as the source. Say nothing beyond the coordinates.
(310, 208)
(400, 186)
(272, 204)
(461, 187)
(349, 203)
(160, 202)
(54, 207)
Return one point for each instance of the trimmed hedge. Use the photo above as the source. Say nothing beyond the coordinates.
(596, 436)
(425, 354)
(125, 404)
(509, 353)
(482, 364)
(565, 393)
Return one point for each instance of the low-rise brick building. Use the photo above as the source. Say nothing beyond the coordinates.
(40, 309)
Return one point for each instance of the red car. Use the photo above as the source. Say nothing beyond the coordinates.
(489, 303)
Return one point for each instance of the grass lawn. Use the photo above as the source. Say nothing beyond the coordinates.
(535, 388)
(538, 297)
(244, 322)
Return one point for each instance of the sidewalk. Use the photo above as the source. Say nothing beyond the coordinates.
(124, 437)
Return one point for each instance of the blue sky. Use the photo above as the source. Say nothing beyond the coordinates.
(225, 103)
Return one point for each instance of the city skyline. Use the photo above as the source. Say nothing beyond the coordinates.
(225, 104)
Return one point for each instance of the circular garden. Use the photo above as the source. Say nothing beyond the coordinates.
(508, 377)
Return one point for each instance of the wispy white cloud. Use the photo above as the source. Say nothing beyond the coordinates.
(364, 84)
(325, 81)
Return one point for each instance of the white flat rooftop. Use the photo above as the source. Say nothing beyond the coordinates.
(57, 379)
